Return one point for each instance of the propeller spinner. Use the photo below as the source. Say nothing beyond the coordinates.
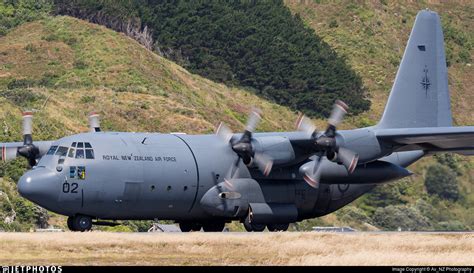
(326, 144)
(243, 147)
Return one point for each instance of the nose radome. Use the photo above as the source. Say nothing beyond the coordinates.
(39, 186)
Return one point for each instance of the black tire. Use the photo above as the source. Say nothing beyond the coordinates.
(272, 227)
(247, 225)
(185, 226)
(196, 227)
(70, 225)
(258, 227)
(214, 227)
(82, 223)
(282, 227)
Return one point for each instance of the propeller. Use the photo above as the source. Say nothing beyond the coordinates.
(94, 122)
(326, 144)
(28, 150)
(243, 147)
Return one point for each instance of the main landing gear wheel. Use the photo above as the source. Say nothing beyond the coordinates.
(278, 227)
(252, 226)
(214, 227)
(79, 223)
(69, 223)
(189, 226)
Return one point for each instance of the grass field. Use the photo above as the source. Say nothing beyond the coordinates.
(98, 248)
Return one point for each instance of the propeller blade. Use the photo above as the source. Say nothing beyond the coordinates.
(232, 174)
(338, 111)
(305, 125)
(223, 132)
(313, 177)
(27, 127)
(348, 158)
(253, 120)
(8, 153)
(28, 150)
(264, 163)
(94, 122)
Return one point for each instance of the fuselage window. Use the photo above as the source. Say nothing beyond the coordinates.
(62, 151)
(71, 152)
(80, 153)
(80, 145)
(52, 150)
(89, 153)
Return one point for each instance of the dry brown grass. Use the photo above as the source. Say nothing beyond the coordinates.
(96, 248)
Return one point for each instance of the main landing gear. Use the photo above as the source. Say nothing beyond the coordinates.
(261, 227)
(207, 227)
(250, 226)
(79, 223)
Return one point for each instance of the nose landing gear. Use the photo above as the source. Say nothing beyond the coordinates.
(79, 223)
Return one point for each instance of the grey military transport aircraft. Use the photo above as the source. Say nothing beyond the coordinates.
(265, 180)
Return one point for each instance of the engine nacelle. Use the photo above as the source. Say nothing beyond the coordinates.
(277, 147)
(371, 173)
(227, 200)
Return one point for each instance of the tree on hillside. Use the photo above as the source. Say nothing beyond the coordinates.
(441, 180)
(16, 12)
(259, 45)
(401, 216)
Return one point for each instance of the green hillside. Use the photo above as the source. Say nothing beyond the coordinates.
(258, 45)
(372, 35)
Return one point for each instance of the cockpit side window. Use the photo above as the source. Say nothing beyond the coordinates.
(87, 145)
(73, 144)
(62, 151)
(52, 150)
(80, 145)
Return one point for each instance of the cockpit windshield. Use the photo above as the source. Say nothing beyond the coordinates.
(61, 151)
(79, 150)
(52, 150)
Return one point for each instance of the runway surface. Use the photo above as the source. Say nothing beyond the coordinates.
(285, 248)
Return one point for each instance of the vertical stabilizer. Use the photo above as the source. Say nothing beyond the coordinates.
(420, 95)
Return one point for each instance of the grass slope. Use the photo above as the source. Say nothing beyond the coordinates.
(72, 67)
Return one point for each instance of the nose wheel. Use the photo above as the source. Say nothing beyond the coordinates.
(79, 223)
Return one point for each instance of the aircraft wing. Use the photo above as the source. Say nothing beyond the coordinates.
(431, 139)
(8, 150)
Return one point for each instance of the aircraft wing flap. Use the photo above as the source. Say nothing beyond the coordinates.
(437, 139)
